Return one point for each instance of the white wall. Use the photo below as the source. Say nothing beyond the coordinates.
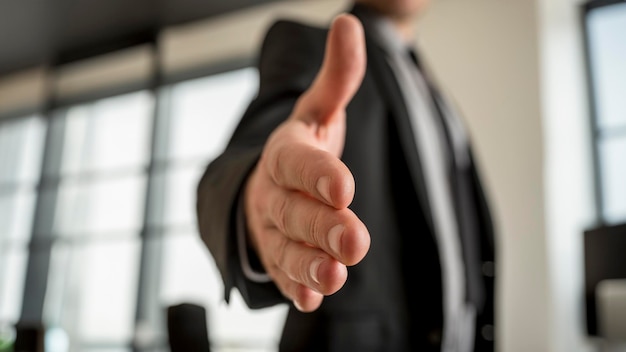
(568, 168)
(486, 53)
(517, 71)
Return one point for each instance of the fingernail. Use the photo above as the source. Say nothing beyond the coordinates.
(314, 267)
(334, 238)
(323, 186)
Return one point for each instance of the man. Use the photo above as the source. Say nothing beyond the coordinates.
(349, 191)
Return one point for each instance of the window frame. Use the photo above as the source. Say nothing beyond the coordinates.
(597, 133)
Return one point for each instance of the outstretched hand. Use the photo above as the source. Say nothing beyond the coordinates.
(297, 197)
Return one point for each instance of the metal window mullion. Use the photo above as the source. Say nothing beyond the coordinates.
(39, 249)
(592, 122)
(599, 187)
(148, 317)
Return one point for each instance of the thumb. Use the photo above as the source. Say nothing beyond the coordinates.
(341, 73)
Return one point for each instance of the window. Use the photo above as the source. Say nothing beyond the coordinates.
(605, 25)
(96, 191)
(200, 116)
(114, 185)
(21, 147)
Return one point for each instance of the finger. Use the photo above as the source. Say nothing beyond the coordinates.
(306, 300)
(339, 233)
(341, 73)
(303, 298)
(297, 262)
(302, 167)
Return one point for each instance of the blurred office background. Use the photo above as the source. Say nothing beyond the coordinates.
(110, 110)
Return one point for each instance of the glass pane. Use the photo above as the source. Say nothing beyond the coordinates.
(16, 212)
(176, 188)
(100, 207)
(613, 172)
(190, 275)
(12, 274)
(109, 134)
(57, 340)
(607, 45)
(92, 291)
(205, 111)
(21, 146)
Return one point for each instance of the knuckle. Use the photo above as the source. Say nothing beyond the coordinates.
(280, 255)
(274, 164)
(271, 156)
(314, 226)
(280, 211)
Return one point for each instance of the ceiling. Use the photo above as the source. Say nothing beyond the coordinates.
(35, 32)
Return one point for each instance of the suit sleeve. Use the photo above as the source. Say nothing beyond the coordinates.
(289, 59)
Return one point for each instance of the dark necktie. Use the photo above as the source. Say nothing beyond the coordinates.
(464, 200)
(433, 95)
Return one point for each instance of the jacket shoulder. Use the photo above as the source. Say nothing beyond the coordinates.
(291, 28)
(291, 49)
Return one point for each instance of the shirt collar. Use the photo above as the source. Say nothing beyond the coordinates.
(381, 29)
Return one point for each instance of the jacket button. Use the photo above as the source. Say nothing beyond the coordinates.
(434, 337)
(487, 332)
(488, 269)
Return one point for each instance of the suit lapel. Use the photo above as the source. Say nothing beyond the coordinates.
(392, 94)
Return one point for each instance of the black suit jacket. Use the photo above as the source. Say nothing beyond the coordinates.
(392, 300)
